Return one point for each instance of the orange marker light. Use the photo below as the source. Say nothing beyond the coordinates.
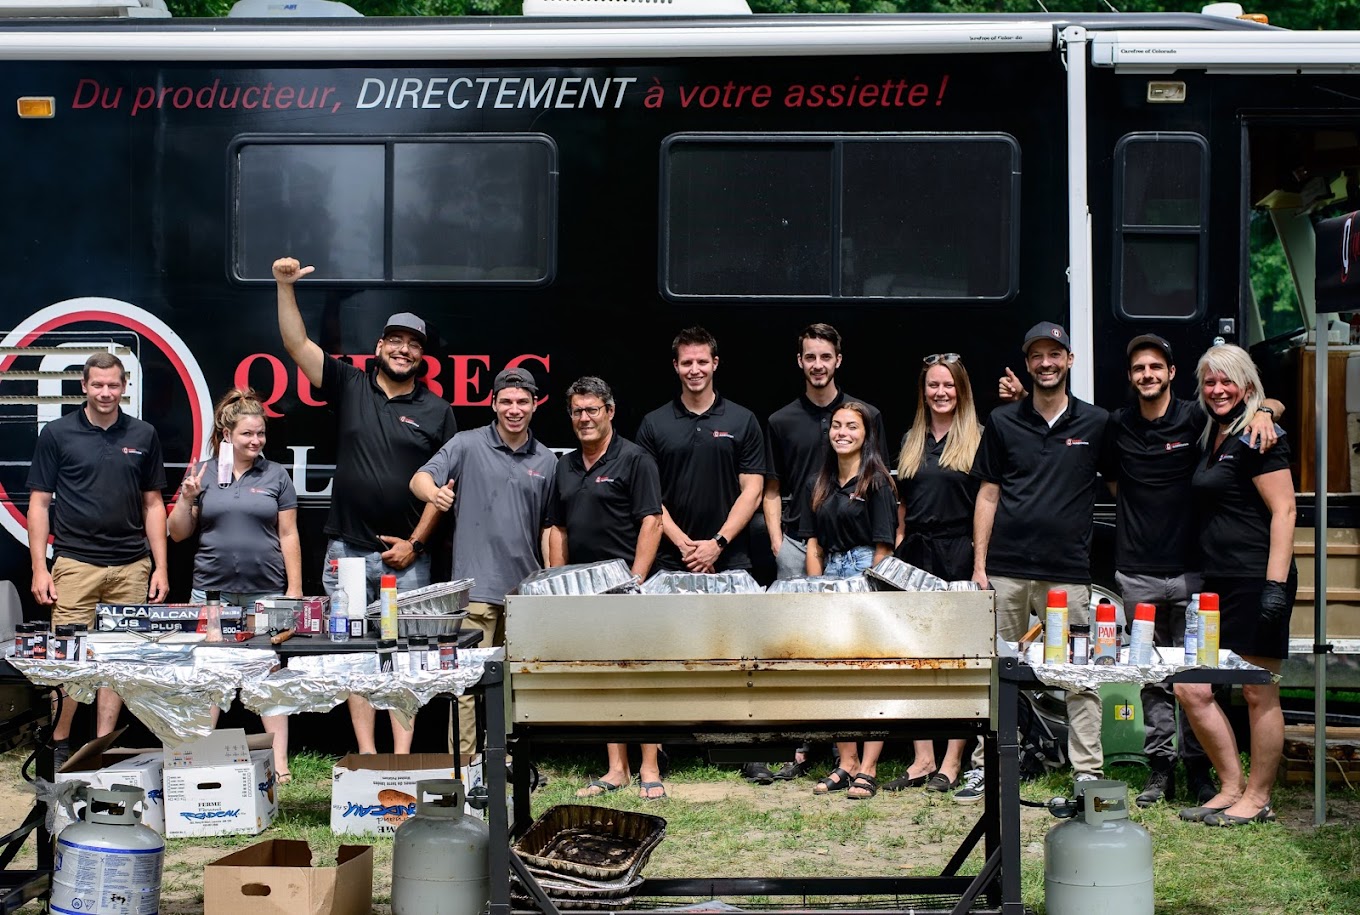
(37, 107)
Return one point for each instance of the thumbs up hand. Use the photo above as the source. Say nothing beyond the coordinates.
(443, 497)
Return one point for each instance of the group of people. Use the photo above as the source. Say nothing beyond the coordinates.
(1009, 506)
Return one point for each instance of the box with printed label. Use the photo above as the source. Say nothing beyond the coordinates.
(276, 877)
(305, 614)
(101, 765)
(221, 785)
(374, 794)
(161, 618)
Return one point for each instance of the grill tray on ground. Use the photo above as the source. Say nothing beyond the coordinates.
(892, 574)
(612, 576)
(568, 895)
(597, 843)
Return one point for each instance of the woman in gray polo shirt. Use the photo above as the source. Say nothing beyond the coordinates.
(248, 547)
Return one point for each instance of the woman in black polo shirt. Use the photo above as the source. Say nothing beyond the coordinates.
(849, 519)
(935, 514)
(1245, 505)
(248, 547)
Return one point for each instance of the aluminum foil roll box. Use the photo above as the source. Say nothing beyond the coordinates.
(160, 618)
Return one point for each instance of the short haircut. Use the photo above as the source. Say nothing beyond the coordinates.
(103, 361)
(590, 386)
(820, 332)
(694, 336)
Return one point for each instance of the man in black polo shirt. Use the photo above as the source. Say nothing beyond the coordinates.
(95, 483)
(1037, 464)
(796, 442)
(389, 424)
(605, 503)
(711, 457)
(1151, 454)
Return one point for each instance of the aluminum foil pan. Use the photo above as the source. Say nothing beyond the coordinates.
(819, 584)
(892, 574)
(965, 585)
(735, 582)
(611, 577)
(444, 598)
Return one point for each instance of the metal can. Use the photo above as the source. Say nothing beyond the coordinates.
(448, 652)
(417, 653)
(387, 655)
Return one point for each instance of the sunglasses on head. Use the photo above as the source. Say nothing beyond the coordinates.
(939, 358)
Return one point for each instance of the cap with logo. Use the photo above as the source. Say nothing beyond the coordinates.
(1145, 340)
(1047, 330)
(405, 321)
(514, 378)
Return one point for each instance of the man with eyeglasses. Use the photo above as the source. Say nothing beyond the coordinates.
(387, 424)
(496, 480)
(605, 504)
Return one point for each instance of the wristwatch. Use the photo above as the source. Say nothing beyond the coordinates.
(417, 547)
(720, 540)
(1264, 409)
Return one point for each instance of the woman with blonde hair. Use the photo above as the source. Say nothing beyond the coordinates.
(935, 514)
(248, 546)
(1244, 503)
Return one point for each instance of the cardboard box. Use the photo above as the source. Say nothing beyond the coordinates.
(305, 614)
(103, 766)
(276, 877)
(160, 618)
(221, 785)
(373, 794)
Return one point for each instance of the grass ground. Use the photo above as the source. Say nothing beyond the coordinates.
(720, 825)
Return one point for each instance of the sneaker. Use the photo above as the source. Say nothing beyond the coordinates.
(1161, 786)
(972, 788)
(1199, 785)
(758, 772)
(61, 752)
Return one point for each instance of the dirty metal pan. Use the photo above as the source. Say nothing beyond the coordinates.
(579, 840)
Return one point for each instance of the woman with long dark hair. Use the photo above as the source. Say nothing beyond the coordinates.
(935, 514)
(849, 519)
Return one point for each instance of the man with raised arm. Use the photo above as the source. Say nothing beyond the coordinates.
(388, 425)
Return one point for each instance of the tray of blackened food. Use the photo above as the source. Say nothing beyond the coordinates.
(597, 843)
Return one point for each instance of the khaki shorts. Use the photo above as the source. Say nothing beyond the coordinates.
(80, 586)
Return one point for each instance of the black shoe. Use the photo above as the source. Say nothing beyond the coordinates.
(758, 772)
(1161, 786)
(1199, 785)
(791, 770)
(61, 751)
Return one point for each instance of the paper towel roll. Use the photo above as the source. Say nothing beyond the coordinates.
(353, 578)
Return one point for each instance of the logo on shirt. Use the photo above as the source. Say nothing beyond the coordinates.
(1227, 457)
(409, 421)
(1174, 446)
(259, 492)
(533, 473)
(718, 433)
(1077, 441)
(131, 451)
(856, 497)
(604, 479)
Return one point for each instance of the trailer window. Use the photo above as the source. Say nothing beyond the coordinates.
(450, 210)
(1161, 223)
(895, 217)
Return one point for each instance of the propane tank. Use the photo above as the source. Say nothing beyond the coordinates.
(109, 863)
(1098, 861)
(439, 856)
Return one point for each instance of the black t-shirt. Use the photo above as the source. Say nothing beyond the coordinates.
(700, 458)
(1234, 521)
(796, 444)
(1048, 481)
(1153, 463)
(938, 501)
(381, 444)
(602, 509)
(97, 477)
(845, 521)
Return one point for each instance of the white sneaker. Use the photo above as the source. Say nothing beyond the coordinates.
(972, 788)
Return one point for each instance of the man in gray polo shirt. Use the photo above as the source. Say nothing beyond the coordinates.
(496, 480)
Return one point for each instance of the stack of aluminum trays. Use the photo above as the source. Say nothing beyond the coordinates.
(964, 585)
(818, 585)
(892, 574)
(610, 577)
(433, 610)
(587, 857)
(735, 582)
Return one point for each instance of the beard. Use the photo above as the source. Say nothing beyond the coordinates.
(1152, 393)
(387, 369)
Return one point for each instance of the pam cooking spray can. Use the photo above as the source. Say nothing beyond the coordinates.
(1055, 627)
(1107, 634)
(1208, 629)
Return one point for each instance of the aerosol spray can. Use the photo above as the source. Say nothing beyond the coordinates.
(1107, 635)
(1055, 627)
(387, 598)
(1192, 630)
(1141, 634)
(1208, 629)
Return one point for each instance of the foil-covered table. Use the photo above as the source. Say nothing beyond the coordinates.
(1093, 676)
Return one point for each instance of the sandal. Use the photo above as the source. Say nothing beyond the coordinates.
(865, 784)
(907, 780)
(650, 786)
(836, 780)
(284, 778)
(596, 787)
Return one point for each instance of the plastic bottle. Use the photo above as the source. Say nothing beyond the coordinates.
(212, 612)
(1055, 627)
(1107, 635)
(1141, 634)
(338, 626)
(1192, 630)
(387, 600)
(1208, 629)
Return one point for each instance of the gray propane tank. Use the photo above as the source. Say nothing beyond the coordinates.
(440, 857)
(1099, 862)
(108, 863)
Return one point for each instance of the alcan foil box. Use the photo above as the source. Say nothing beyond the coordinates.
(736, 659)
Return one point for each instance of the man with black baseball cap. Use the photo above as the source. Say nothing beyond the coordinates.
(388, 424)
(1150, 460)
(496, 480)
(1037, 464)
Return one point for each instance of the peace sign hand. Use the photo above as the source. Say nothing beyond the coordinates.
(193, 483)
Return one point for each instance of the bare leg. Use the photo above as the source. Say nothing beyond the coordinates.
(650, 770)
(1215, 733)
(363, 716)
(618, 773)
(1267, 740)
(107, 704)
(277, 725)
(848, 752)
(401, 737)
(953, 760)
(924, 761)
(62, 729)
(868, 765)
